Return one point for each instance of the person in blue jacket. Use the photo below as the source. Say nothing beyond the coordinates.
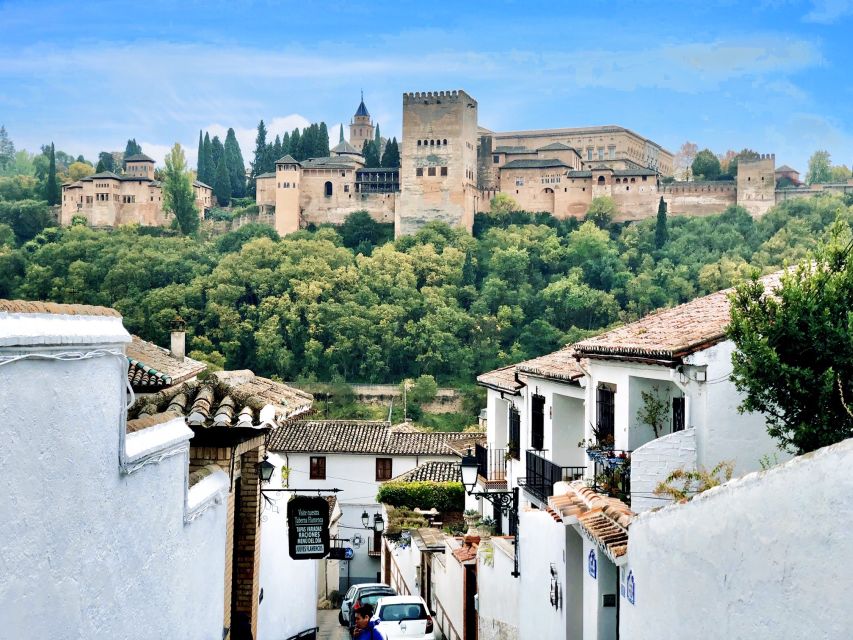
(365, 628)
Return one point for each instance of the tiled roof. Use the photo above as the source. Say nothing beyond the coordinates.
(465, 553)
(333, 501)
(103, 175)
(199, 183)
(338, 162)
(356, 436)
(139, 157)
(604, 519)
(670, 334)
(227, 399)
(27, 306)
(431, 472)
(785, 169)
(580, 174)
(152, 367)
(535, 163)
(510, 149)
(557, 146)
(345, 147)
(502, 379)
(462, 446)
(634, 172)
(362, 110)
(270, 174)
(560, 365)
(287, 159)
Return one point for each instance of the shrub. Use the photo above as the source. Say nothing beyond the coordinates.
(444, 496)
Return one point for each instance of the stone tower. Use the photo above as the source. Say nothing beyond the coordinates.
(438, 172)
(361, 126)
(288, 176)
(756, 184)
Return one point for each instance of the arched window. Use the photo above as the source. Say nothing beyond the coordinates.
(618, 181)
(633, 180)
(600, 179)
(419, 143)
(328, 188)
(432, 143)
(445, 142)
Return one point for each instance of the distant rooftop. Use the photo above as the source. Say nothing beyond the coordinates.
(139, 157)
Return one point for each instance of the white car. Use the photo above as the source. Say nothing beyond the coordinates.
(404, 617)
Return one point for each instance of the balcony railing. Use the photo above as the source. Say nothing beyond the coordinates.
(542, 475)
(491, 464)
(613, 473)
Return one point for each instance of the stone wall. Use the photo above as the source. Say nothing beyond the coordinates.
(699, 198)
(756, 184)
(654, 461)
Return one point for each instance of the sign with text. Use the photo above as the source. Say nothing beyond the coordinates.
(308, 527)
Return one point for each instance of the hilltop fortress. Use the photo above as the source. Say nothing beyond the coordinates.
(451, 168)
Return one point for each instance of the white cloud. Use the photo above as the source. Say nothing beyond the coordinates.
(829, 11)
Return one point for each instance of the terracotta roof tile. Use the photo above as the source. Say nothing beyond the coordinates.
(606, 520)
(432, 472)
(152, 367)
(465, 553)
(502, 379)
(355, 436)
(560, 365)
(670, 334)
(227, 399)
(26, 306)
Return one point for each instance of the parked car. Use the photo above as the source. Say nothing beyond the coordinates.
(359, 594)
(404, 617)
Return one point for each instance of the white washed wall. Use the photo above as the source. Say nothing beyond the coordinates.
(498, 592)
(764, 556)
(290, 586)
(654, 461)
(448, 577)
(87, 551)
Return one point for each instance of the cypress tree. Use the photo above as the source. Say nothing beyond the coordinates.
(276, 149)
(218, 153)
(370, 153)
(51, 188)
(391, 155)
(342, 134)
(661, 231)
(260, 151)
(323, 150)
(234, 164)
(296, 145)
(222, 183)
(376, 137)
(131, 149)
(209, 167)
(285, 144)
(199, 165)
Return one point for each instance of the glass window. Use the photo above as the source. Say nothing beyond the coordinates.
(383, 469)
(318, 468)
(496, 159)
(419, 171)
(431, 171)
(444, 171)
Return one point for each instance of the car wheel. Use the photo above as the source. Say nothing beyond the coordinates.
(341, 619)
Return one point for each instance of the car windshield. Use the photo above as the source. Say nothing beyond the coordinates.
(402, 611)
(387, 591)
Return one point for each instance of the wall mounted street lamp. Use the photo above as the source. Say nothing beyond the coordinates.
(378, 523)
(506, 501)
(265, 470)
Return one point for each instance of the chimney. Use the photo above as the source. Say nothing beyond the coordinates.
(179, 339)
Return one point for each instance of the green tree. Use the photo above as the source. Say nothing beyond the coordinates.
(27, 218)
(261, 155)
(744, 154)
(178, 196)
(234, 164)
(371, 154)
(391, 155)
(132, 148)
(341, 136)
(51, 186)
(601, 211)
(323, 150)
(296, 145)
(706, 165)
(360, 231)
(424, 389)
(661, 232)
(201, 170)
(209, 166)
(502, 203)
(218, 153)
(7, 150)
(794, 356)
(79, 170)
(222, 183)
(106, 162)
(839, 173)
(820, 168)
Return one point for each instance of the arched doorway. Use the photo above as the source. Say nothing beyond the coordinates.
(548, 200)
(328, 188)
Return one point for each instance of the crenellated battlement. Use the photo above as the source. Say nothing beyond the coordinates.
(761, 157)
(436, 97)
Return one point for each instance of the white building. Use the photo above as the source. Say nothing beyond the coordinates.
(356, 457)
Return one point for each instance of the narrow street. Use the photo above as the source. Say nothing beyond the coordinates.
(330, 629)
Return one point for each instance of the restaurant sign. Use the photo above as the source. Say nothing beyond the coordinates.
(308, 527)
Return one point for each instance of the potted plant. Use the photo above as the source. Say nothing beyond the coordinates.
(471, 517)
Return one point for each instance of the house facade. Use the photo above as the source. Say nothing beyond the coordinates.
(356, 457)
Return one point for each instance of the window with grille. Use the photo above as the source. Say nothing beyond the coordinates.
(605, 413)
(537, 423)
(318, 468)
(677, 414)
(514, 433)
(383, 469)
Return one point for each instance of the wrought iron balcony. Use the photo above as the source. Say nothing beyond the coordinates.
(491, 467)
(612, 473)
(542, 475)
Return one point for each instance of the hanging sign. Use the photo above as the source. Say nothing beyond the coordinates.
(308, 527)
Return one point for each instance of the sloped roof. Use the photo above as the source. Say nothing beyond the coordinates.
(634, 172)
(510, 149)
(580, 174)
(559, 365)
(345, 147)
(502, 379)
(269, 174)
(199, 183)
(557, 146)
(139, 157)
(152, 367)
(103, 175)
(431, 472)
(606, 520)
(357, 436)
(287, 159)
(337, 162)
(670, 334)
(535, 163)
(362, 110)
(785, 169)
(227, 399)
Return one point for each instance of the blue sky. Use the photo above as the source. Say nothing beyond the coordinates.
(772, 75)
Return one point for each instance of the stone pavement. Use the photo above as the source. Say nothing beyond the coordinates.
(330, 629)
